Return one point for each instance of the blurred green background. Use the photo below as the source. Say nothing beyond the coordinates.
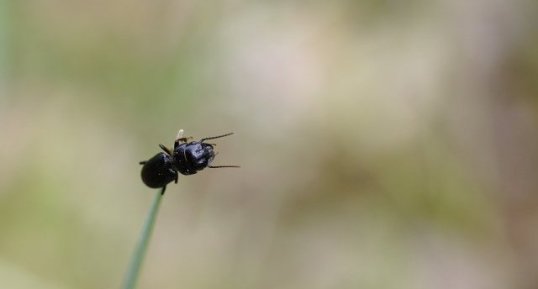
(383, 144)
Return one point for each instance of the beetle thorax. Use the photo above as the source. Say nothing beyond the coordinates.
(192, 157)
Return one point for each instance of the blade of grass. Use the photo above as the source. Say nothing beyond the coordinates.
(133, 271)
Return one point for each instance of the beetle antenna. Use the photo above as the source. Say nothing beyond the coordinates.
(214, 137)
(216, 167)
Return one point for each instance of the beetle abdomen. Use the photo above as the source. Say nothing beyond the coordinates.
(158, 171)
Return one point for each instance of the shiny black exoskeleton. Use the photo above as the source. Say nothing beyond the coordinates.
(192, 157)
(187, 158)
(158, 171)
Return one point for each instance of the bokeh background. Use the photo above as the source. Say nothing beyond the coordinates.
(383, 144)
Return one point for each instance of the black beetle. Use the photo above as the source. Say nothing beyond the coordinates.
(187, 158)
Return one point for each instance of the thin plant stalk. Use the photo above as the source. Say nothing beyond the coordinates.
(137, 259)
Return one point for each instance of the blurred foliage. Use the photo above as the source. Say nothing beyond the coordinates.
(383, 144)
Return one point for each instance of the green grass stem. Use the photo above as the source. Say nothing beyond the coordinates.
(137, 259)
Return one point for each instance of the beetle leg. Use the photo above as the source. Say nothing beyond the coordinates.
(165, 149)
(182, 140)
(143, 162)
(173, 172)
